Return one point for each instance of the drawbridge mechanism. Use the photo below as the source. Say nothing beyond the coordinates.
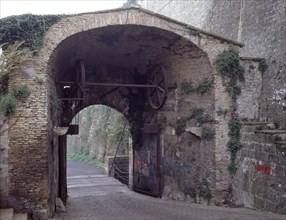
(156, 87)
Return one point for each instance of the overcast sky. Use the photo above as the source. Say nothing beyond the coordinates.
(16, 7)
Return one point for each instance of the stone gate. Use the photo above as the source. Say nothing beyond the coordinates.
(172, 148)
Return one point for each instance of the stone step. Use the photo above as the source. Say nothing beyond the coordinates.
(20, 216)
(6, 214)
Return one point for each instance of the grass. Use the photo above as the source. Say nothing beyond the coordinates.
(85, 158)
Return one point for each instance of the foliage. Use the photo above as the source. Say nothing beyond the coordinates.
(27, 27)
(11, 59)
(205, 86)
(187, 87)
(208, 134)
(234, 144)
(227, 64)
(222, 112)
(84, 158)
(262, 66)
(200, 116)
(204, 190)
(191, 192)
(39, 80)
(162, 120)
(21, 91)
(8, 104)
(180, 126)
(100, 131)
(201, 188)
(196, 112)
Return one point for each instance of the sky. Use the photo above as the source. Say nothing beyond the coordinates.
(16, 7)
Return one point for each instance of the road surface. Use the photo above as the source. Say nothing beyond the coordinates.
(94, 196)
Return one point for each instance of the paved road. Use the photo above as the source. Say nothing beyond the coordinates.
(94, 196)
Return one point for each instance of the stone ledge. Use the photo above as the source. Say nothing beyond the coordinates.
(280, 142)
(270, 131)
(254, 123)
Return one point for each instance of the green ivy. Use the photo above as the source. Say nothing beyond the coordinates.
(205, 86)
(227, 64)
(208, 134)
(8, 104)
(27, 27)
(187, 87)
(222, 112)
(262, 66)
(192, 193)
(180, 126)
(234, 144)
(200, 116)
(21, 91)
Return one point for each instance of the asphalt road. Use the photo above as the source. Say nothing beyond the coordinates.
(94, 196)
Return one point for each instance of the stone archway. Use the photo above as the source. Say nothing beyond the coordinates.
(119, 45)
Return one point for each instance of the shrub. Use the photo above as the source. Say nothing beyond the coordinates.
(8, 104)
(21, 91)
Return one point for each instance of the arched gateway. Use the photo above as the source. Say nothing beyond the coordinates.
(142, 64)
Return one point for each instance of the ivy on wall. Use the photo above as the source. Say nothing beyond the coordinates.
(10, 60)
(204, 87)
(201, 118)
(228, 66)
(27, 28)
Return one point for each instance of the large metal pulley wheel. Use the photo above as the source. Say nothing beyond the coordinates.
(157, 94)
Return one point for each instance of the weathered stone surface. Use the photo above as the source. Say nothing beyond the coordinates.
(40, 214)
(60, 207)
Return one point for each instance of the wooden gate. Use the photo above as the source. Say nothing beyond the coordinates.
(146, 172)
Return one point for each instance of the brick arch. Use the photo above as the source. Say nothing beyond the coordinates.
(192, 66)
(72, 25)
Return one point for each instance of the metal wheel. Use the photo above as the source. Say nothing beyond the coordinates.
(156, 95)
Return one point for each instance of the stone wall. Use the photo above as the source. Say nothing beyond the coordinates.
(260, 179)
(184, 52)
(28, 143)
(4, 166)
(260, 25)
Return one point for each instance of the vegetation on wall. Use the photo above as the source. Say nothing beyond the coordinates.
(262, 66)
(21, 91)
(8, 104)
(228, 66)
(234, 144)
(205, 86)
(10, 60)
(208, 134)
(222, 112)
(180, 126)
(201, 118)
(27, 28)
(201, 189)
